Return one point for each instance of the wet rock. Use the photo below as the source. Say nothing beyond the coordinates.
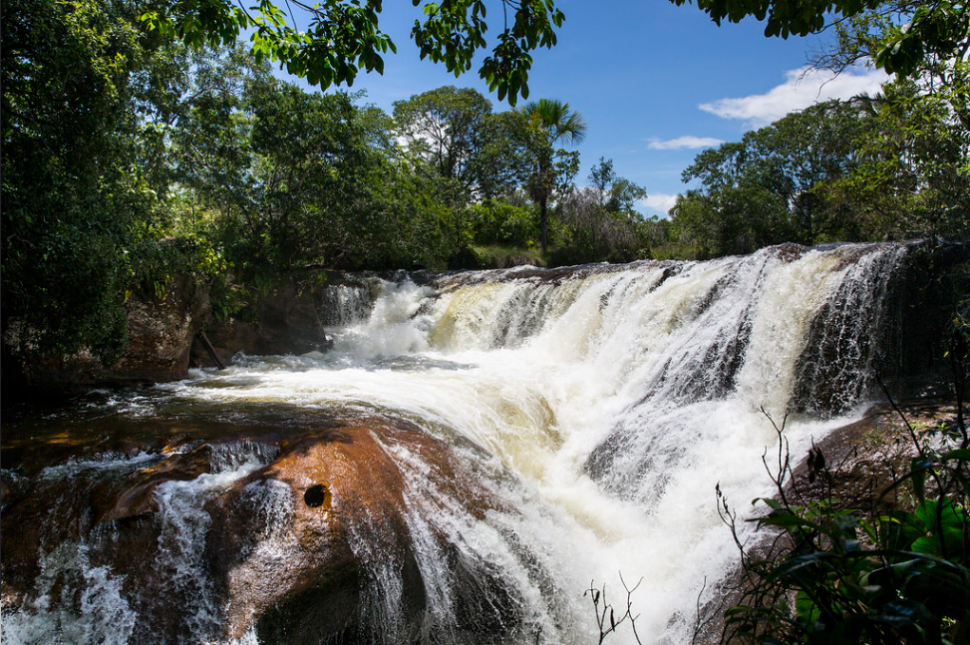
(304, 538)
(891, 331)
(852, 339)
(345, 536)
(160, 334)
(136, 498)
(285, 322)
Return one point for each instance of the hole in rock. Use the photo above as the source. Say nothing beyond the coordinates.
(315, 495)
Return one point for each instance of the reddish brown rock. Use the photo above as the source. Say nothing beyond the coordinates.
(289, 549)
(345, 486)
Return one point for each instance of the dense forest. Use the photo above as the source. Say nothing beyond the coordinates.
(134, 153)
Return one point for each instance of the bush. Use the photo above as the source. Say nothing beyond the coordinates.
(833, 573)
(496, 223)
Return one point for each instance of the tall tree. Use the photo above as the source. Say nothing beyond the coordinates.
(550, 121)
(503, 161)
(914, 175)
(617, 195)
(74, 184)
(456, 134)
(768, 188)
(444, 127)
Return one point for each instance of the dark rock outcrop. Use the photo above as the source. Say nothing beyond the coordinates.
(160, 335)
(163, 342)
(286, 322)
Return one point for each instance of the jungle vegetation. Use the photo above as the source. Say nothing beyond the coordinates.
(144, 141)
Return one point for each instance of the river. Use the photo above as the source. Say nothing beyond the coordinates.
(586, 416)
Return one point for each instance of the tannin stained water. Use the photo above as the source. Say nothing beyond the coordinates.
(598, 407)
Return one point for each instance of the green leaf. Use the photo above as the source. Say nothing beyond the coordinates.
(918, 468)
(806, 609)
(961, 454)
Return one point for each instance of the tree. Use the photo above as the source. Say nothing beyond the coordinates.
(914, 168)
(209, 144)
(860, 38)
(549, 122)
(602, 221)
(503, 162)
(322, 185)
(932, 29)
(913, 174)
(455, 132)
(444, 127)
(74, 183)
(769, 187)
(344, 37)
(618, 195)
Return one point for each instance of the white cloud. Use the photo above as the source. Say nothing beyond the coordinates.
(659, 202)
(802, 88)
(690, 142)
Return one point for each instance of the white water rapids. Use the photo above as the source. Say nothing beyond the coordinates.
(604, 404)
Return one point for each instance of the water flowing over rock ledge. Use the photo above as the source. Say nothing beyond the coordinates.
(288, 532)
(164, 337)
(458, 458)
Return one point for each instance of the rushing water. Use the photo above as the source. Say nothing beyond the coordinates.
(597, 407)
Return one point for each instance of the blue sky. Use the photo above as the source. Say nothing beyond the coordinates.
(655, 82)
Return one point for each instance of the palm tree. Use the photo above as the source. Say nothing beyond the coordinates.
(551, 121)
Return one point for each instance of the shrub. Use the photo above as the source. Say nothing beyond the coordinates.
(501, 224)
(833, 573)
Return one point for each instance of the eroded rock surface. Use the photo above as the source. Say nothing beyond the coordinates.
(299, 537)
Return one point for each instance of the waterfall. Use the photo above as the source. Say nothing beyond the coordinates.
(548, 428)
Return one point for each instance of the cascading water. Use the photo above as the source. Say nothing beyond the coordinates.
(548, 429)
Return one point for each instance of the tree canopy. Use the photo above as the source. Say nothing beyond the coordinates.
(928, 28)
(345, 36)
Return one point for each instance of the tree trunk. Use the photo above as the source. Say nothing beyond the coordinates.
(542, 222)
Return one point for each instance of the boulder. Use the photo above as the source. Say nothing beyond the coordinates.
(300, 537)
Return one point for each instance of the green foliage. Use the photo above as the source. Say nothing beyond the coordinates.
(444, 127)
(617, 195)
(551, 121)
(326, 191)
(771, 187)
(602, 222)
(913, 175)
(73, 185)
(914, 169)
(500, 257)
(343, 38)
(836, 574)
(889, 167)
(929, 29)
(454, 132)
(503, 224)
(131, 161)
